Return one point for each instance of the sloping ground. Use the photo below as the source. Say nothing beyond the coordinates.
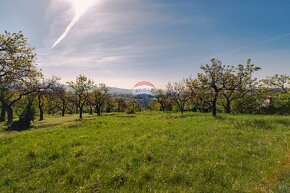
(149, 152)
(283, 186)
(278, 177)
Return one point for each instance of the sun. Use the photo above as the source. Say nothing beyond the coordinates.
(81, 6)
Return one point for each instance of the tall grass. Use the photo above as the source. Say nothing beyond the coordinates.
(148, 152)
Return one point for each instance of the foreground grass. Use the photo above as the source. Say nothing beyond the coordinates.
(149, 152)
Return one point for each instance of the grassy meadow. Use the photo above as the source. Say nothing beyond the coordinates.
(148, 152)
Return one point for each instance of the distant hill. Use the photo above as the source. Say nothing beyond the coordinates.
(119, 91)
(112, 90)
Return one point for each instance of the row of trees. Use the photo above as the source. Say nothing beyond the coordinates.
(222, 85)
(24, 90)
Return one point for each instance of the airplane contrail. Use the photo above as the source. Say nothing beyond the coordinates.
(66, 31)
(81, 6)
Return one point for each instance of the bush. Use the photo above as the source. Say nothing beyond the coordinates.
(25, 119)
(130, 110)
(280, 104)
(252, 103)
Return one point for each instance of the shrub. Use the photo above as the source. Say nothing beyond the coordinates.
(130, 110)
(251, 103)
(25, 119)
(280, 104)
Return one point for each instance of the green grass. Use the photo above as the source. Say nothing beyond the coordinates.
(148, 152)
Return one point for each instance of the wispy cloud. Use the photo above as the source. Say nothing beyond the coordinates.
(114, 39)
(266, 41)
(108, 31)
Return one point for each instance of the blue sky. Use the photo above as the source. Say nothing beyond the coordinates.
(121, 42)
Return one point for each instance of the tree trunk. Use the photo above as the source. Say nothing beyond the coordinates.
(3, 110)
(9, 115)
(40, 114)
(214, 107)
(81, 112)
(91, 110)
(181, 108)
(162, 108)
(29, 114)
(228, 109)
(202, 109)
(63, 109)
(98, 111)
(3, 113)
(40, 108)
(228, 106)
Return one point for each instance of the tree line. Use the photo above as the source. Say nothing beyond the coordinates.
(228, 89)
(219, 88)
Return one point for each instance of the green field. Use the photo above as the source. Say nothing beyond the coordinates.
(148, 152)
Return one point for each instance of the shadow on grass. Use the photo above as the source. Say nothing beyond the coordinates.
(186, 115)
(261, 124)
(108, 114)
(125, 116)
(47, 123)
